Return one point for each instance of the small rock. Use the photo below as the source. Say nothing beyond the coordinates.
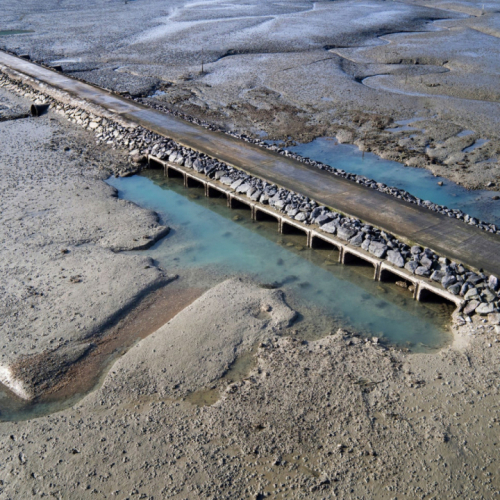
(484, 309)
(471, 307)
(471, 294)
(494, 318)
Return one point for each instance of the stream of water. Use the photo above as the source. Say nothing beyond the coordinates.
(205, 233)
(417, 181)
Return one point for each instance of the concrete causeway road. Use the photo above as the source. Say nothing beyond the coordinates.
(446, 236)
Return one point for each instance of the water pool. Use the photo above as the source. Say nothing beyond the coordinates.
(416, 181)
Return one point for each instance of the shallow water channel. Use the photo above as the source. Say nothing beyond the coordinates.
(416, 181)
(207, 235)
(210, 242)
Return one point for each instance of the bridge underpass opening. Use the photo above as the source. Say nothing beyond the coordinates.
(173, 173)
(215, 193)
(240, 205)
(194, 183)
(265, 217)
(155, 164)
(436, 305)
(326, 248)
(291, 229)
(430, 297)
(363, 266)
(387, 276)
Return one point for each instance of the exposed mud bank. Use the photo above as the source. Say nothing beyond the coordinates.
(63, 276)
(338, 416)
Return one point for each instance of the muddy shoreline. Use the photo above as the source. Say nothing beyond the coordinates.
(337, 416)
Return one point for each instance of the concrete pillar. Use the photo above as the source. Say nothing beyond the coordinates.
(418, 291)
(280, 225)
(342, 253)
(378, 272)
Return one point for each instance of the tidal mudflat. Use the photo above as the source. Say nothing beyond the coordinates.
(160, 349)
(232, 397)
(298, 70)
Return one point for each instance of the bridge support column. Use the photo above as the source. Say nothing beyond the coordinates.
(417, 292)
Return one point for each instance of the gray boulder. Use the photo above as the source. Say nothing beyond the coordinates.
(378, 249)
(471, 307)
(395, 257)
(426, 262)
(422, 271)
(357, 241)
(346, 233)
(471, 294)
(437, 276)
(280, 204)
(484, 309)
(488, 295)
(256, 195)
(243, 188)
(494, 283)
(224, 179)
(323, 219)
(330, 227)
(411, 266)
(448, 280)
(236, 184)
(454, 289)
(301, 216)
(416, 250)
(475, 279)
(317, 212)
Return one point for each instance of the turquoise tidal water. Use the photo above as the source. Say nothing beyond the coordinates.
(205, 234)
(417, 181)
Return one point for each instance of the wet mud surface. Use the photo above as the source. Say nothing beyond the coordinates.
(178, 418)
(299, 71)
